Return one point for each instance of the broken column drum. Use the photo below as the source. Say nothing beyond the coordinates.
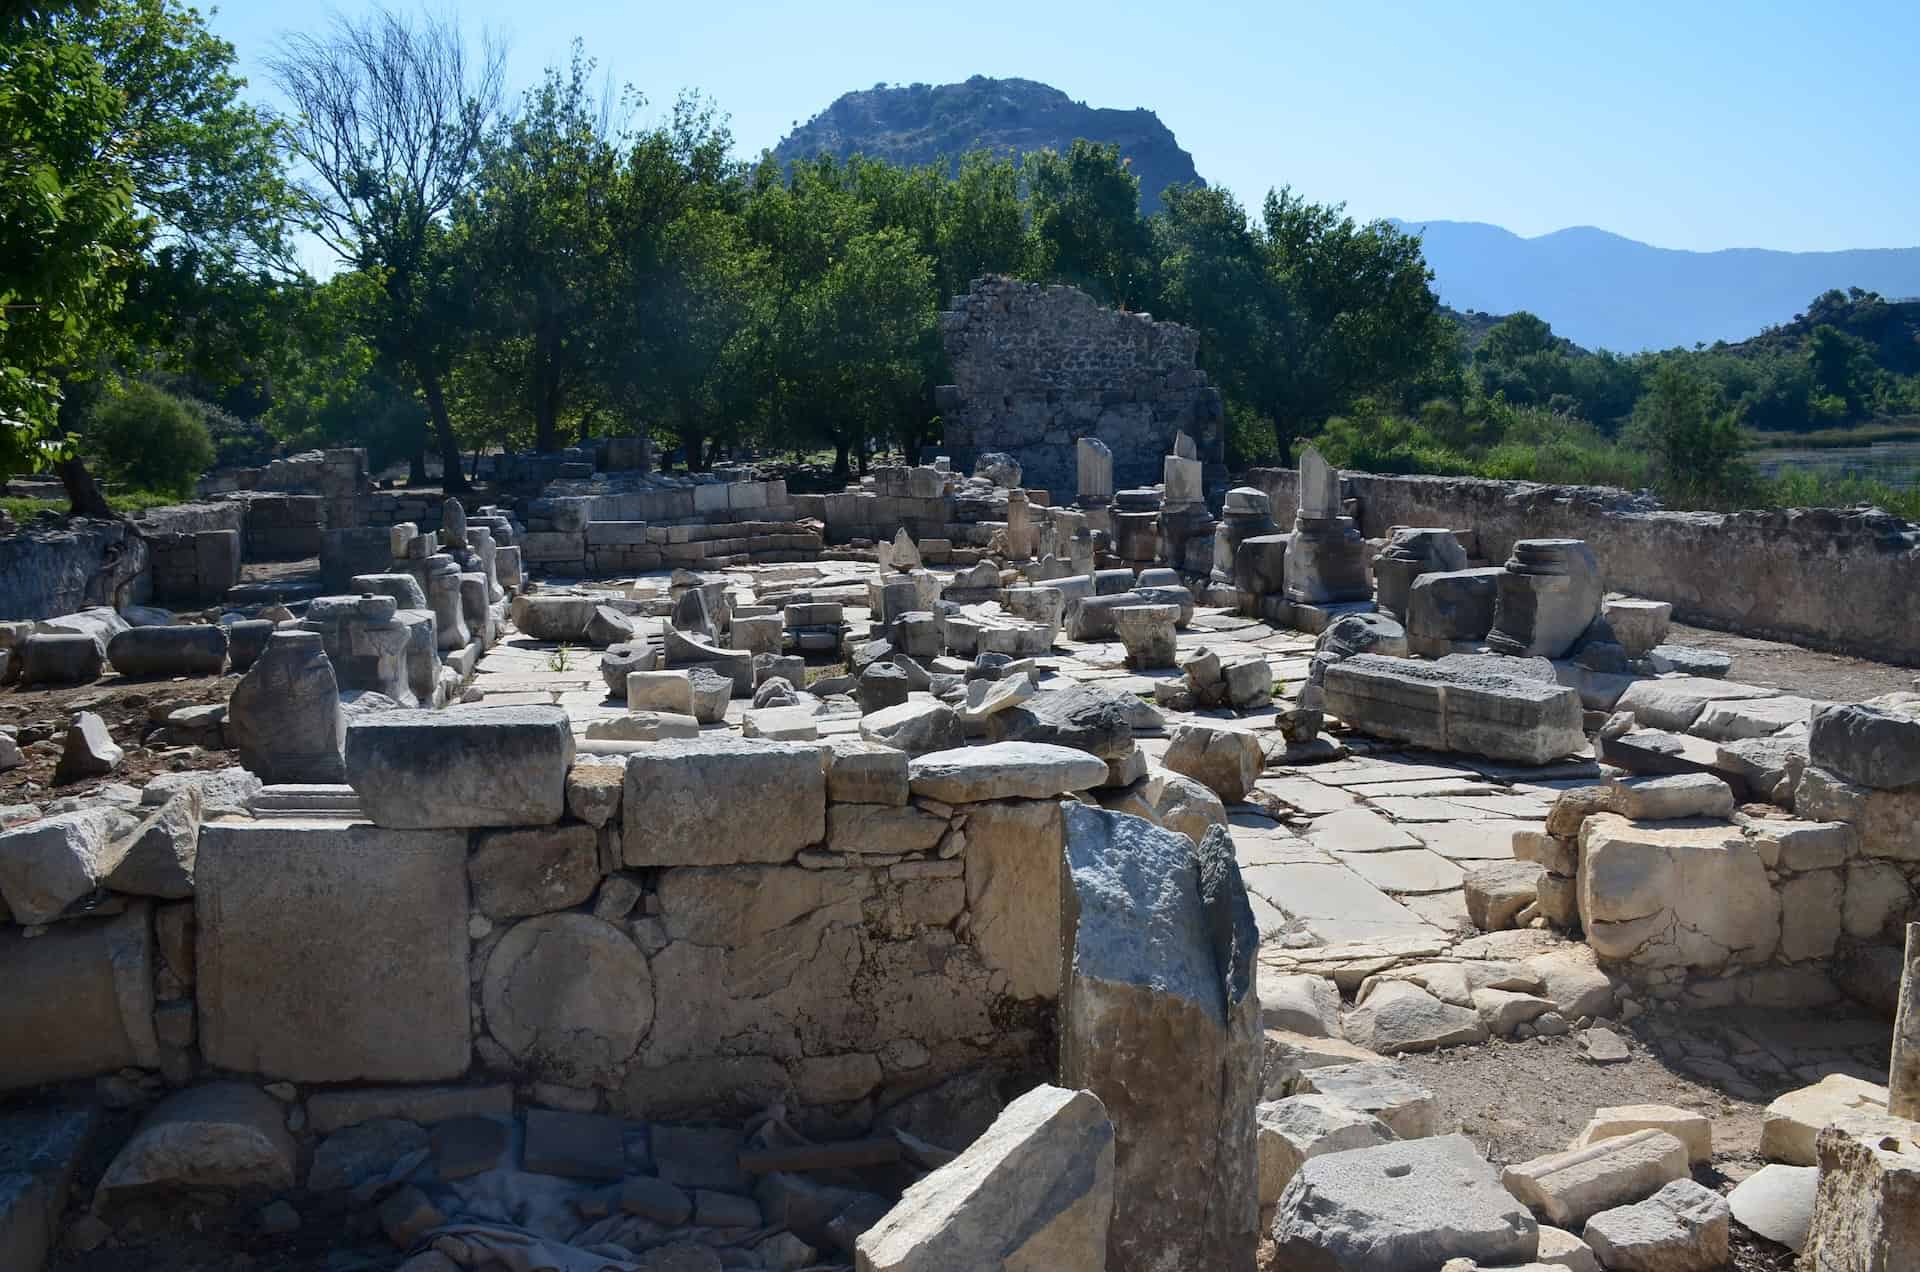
(1247, 513)
(1414, 551)
(1549, 594)
(285, 716)
(1094, 464)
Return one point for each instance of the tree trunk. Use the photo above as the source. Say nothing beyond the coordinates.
(695, 446)
(417, 464)
(83, 496)
(840, 449)
(546, 394)
(452, 477)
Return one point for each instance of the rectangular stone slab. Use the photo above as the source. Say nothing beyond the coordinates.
(333, 952)
(465, 766)
(723, 801)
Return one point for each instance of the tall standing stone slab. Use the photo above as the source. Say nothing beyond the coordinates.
(1326, 559)
(1159, 1018)
(1093, 461)
(284, 716)
(332, 952)
(465, 766)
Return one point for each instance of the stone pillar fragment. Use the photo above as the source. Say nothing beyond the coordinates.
(284, 716)
(1159, 1019)
(1093, 463)
(1550, 593)
(443, 593)
(1412, 553)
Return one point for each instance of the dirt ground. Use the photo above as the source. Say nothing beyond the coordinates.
(1835, 677)
(131, 709)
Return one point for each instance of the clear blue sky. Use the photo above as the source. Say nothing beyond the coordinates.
(1702, 125)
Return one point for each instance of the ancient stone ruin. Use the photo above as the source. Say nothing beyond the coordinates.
(643, 872)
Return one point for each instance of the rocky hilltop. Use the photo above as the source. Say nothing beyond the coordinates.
(923, 123)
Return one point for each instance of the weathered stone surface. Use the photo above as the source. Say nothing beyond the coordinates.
(559, 617)
(89, 750)
(1159, 1017)
(1664, 894)
(1004, 770)
(862, 772)
(1571, 978)
(1180, 803)
(1866, 744)
(82, 992)
(227, 1136)
(643, 726)
(1690, 1128)
(533, 871)
(882, 685)
(916, 727)
(1013, 867)
(1400, 1206)
(1301, 1004)
(1682, 1228)
(1498, 891)
(48, 864)
(1380, 1087)
(1866, 1212)
(570, 996)
(362, 1151)
(161, 850)
(40, 1153)
(329, 1111)
(1777, 1202)
(1450, 605)
(594, 787)
(332, 952)
(774, 792)
(1569, 1188)
(284, 716)
(1791, 1127)
(984, 1211)
(1729, 721)
(1400, 1016)
(185, 650)
(1226, 761)
(1304, 1126)
(882, 828)
(1085, 718)
(1670, 798)
(1675, 702)
(1461, 703)
(1550, 593)
(465, 766)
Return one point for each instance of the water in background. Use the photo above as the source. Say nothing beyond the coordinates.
(1897, 464)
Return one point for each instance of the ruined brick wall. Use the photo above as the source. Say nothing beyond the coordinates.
(1826, 578)
(1037, 367)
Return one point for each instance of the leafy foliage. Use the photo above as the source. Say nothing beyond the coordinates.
(149, 439)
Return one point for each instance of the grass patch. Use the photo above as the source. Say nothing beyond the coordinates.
(1905, 429)
(130, 502)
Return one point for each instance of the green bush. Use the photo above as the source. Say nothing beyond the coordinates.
(144, 437)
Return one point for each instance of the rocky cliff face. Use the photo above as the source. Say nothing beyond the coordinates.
(923, 123)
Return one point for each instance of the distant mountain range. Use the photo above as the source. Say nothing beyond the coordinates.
(1604, 291)
(925, 123)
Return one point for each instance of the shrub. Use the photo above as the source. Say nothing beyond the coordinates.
(146, 438)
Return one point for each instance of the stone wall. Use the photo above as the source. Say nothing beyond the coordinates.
(1829, 579)
(1037, 367)
(45, 573)
(339, 477)
(761, 927)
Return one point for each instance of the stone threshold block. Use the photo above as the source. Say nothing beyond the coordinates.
(332, 952)
(465, 766)
(1460, 703)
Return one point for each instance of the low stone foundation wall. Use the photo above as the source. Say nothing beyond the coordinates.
(773, 921)
(1829, 579)
(47, 573)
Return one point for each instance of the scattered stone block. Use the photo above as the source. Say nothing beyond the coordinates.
(982, 1210)
(915, 727)
(465, 766)
(332, 952)
(1791, 1127)
(161, 850)
(1461, 703)
(1670, 798)
(1682, 1228)
(1637, 625)
(184, 650)
(1399, 1016)
(1305, 1126)
(1380, 1087)
(1675, 702)
(1866, 744)
(574, 1145)
(1084, 717)
(1302, 1004)
(1498, 891)
(89, 750)
(514, 873)
(1400, 1206)
(1777, 1202)
(60, 658)
(1003, 770)
(1226, 761)
(1866, 1211)
(1690, 1128)
(1571, 1187)
(226, 1136)
(48, 864)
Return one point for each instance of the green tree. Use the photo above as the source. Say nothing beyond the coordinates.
(390, 118)
(982, 227)
(1695, 443)
(1353, 312)
(1084, 214)
(1841, 366)
(149, 439)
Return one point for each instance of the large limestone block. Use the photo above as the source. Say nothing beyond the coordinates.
(714, 801)
(332, 952)
(1004, 770)
(79, 999)
(1086, 718)
(1033, 1194)
(1380, 1087)
(1675, 702)
(1400, 1206)
(1461, 703)
(863, 772)
(561, 618)
(570, 996)
(186, 650)
(1667, 894)
(1866, 744)
(1690, 1128)
(226, 1136)
(1399, 1016)
(1777, 1202)
(1569, 1188)
(1884, 819)
(48, 864)
(1178, 802)
(1301, 1003)
(1866, 1212)
(162, 849)
(1550, 593)
(918, 727)
(465, 766)
(1682, 1228)
(1159, 1017)
(1305, 1126)
(882, 828)
(1791, 1127)
(1013, 859)
(534, 870)
(1226, 761)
